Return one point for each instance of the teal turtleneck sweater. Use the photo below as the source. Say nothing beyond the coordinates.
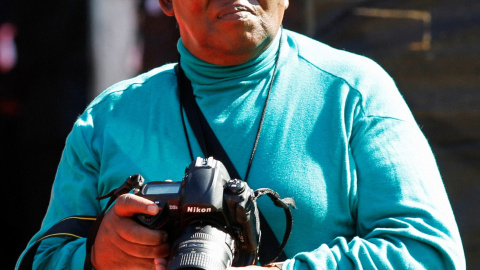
(337, 136)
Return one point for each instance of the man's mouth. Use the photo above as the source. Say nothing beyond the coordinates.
(235, 12)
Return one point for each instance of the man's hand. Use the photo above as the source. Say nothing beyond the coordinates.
(122, 243)
(254, 267)
(271, 266)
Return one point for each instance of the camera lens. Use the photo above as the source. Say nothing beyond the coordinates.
(202, 247)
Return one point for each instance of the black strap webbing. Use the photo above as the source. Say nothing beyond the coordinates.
(270, 248)
(69, 228)
(75, 227)
(285, 203)
(206, 138)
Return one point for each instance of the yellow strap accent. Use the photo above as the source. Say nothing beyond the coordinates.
(59, 234)
(77, 217)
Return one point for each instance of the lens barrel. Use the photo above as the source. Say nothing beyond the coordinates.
(202, 247)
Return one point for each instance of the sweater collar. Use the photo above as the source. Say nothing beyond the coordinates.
(204, 73)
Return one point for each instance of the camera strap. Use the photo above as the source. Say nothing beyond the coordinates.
(270, 248)
(76, 227)
(70, 228)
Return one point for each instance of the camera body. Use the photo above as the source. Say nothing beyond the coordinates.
(212, 219)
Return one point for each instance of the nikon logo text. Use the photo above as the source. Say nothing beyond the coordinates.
(196, 209)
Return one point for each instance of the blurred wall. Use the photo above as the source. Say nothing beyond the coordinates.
(114, 42)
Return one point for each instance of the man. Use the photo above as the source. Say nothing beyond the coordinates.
(336, 135)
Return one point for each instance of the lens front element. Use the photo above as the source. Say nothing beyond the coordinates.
(202, 247)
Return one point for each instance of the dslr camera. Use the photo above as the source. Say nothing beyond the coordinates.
(213, 220)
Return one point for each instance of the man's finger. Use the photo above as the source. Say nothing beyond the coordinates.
(128, 205)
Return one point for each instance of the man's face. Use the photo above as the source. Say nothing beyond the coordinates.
(227, 31)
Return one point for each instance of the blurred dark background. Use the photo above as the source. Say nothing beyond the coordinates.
(431, 49)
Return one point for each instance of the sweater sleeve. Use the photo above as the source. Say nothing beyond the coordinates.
(73, 193)
(403, 217)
